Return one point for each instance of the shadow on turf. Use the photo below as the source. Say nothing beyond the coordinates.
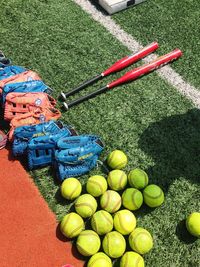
(74, 250)
(98, 7)
(183, 234)
(76, 254)
(174, 144)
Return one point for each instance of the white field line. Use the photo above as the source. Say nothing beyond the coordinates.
(166, 72)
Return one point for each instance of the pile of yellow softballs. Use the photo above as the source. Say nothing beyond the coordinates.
(109, 205)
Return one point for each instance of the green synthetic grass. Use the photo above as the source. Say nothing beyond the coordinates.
(173, 24)
(156, 126)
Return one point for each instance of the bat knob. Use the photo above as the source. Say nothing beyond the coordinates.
(62, 95)
(65, 106)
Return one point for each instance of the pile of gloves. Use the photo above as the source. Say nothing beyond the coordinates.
(35, 130)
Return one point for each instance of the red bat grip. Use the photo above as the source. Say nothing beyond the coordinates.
(128, 60)
(140, 71)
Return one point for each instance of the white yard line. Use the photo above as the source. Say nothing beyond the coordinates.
(167, 73)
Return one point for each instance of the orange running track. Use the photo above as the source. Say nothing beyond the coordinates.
(28, 229)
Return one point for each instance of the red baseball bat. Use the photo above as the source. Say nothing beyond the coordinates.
(149, 67)
(117, 66)
(131, 75)
(129, 60)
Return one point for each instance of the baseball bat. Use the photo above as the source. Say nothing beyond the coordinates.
(130, 76)
(117, 66)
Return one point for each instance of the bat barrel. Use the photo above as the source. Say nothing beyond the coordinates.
(129, 60)
(147, 68)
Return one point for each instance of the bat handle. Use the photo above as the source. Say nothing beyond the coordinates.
(84, 98)
(80, 87)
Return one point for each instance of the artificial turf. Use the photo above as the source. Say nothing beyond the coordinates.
(173, 24)
(149, 120)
